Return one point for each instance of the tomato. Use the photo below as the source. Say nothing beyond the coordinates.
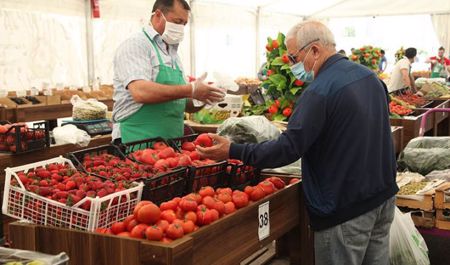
(285, 58)
(224, 197)
(149, 157)
(273, 109)
(209, 202)
(127, 220)
(138, 206)
(131, 224)
(287, 112)
(176, 200)
(194, 155)
(267, 187)
(269, 72)
(240, 200)
(166, 153)
(159, 145)
(168, 215)
(174, 231)
(204, 140)
(224, 191)
(101, 230)
(169, 205)
(197, 197)
(154, 233)
(184, 161)
(229, 208)
(188, 226)
(219, 206)
(163, 224)
(173, 162)
(275, 44)
(118, 228)
(279, 183)
(177, 222)
(204, 217)
(268, 47)
(139, 231)
(215, 214)
(248, 190)
(190, 216)
(299, 83)
(188, 204)
(148, 214)
(294, 180)
(124, 234)
(207, 191)
(161, 165)
(166, 240)
(188, 146)
(257, 194)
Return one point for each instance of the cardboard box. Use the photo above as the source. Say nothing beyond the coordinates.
(230, 107)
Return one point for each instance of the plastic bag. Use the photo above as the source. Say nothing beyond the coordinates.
(439, 174)
(251, 129)
(89, 109)
(425, 154)
(9, 255)
(70, 134)
(406, 244)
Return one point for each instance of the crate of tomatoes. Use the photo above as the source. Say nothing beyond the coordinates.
(53, 192)
(170, 174)
(203, 172)
(19, 138)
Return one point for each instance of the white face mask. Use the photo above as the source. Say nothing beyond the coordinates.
(173, 33)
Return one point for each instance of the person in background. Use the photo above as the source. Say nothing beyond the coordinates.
(401, 74)
(342, 52)
(340, 128)
(440, 66)
(262, 73)
(150, 91)
(383, 62)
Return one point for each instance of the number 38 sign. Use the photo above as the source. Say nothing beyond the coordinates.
(263, 221)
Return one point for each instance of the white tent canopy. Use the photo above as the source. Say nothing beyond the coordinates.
(55, 41)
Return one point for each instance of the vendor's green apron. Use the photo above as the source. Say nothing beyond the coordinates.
(157, 120)
(438, 70)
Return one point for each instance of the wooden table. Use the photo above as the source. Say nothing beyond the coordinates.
(9, 160)
(229, 240)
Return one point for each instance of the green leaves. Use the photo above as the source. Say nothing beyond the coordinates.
(277, 62)
(295, 90)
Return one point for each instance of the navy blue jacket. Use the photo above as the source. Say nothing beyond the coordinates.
(340, 128)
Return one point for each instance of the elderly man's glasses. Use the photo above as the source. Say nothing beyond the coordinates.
(293, 57)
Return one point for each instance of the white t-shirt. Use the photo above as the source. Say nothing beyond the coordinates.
(396, 81)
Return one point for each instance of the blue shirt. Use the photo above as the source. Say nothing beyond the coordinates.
(340, 128)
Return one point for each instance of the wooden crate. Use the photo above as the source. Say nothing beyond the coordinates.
(397, 138)
(439, 199)
(443, 219)
(411, 125)
(229, 240)
(424, 219)
(426, 204)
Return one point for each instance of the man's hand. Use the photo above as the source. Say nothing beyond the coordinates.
(206, 93)
(219, 151)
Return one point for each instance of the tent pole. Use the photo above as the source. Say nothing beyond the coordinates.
(192, 39)
(89, 43)
(257, 33)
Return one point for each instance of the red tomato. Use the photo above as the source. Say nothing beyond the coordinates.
(188, 226)
(131, 224)
(190, 216)
(188, 146)
(166, 153)
(240, 200)
(267, 187)
(154, 233)
(159, 145)
(209, 202)
(294, 180)
(279, 183)
(139, 231)
(184, 161)
(194, 155)
(229, 207)
(197, 197)
(204, 217)
(127, 220)
(166, 240)
(124, 234)
(207, 191)
(148, 156)
(174, 231)
(138, 206)
(169, 205)
(219, 206)
(224, 191)
(215, 214)
(163, 224)
(248, 190)
(168, 215)
(204, 140)
(257, 194)
(118, 228)
(188, 204)
(148, 214)
(224, 197)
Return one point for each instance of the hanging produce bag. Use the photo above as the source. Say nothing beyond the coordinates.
(90, 109)
(251, 129)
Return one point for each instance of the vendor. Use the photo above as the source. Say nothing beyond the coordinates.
(401, 74)
(440, 66)
(150, 91)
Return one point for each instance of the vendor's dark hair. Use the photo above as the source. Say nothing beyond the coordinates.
(167, 5)
(442, 48)
(410, 53)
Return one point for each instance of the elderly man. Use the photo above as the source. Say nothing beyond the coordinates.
(340, 128)
(150, 91)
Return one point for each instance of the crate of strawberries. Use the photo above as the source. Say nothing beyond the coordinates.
(203, 172)
(53, 192)
(19, 138)
(170, 177)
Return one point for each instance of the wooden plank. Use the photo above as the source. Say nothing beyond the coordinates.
(426, 204)
(397, 137)
(424, 219)
(442, 220)
(439, 199)
(23, 235)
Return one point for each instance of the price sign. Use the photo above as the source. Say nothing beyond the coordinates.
(263, 221)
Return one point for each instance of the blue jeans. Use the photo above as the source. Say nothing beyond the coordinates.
(363, 240)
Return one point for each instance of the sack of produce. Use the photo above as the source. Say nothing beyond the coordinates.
(25, 257)
(425, 154)
(90, 109)
(406, 245)
(250, 129)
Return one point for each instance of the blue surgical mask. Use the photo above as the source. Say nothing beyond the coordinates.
(300, 73)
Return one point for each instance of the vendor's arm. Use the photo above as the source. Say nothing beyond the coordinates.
(406, 77)
(304, 126)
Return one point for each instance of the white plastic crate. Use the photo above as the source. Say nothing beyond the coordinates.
(25, 205)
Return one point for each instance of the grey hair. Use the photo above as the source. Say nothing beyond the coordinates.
(308, 31)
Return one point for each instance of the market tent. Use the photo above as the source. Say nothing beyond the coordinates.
(56, 41)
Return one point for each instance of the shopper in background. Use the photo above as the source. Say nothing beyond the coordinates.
(440, 66)
(340, 128)
(150, 91)
(383, 62)
(401, 74)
